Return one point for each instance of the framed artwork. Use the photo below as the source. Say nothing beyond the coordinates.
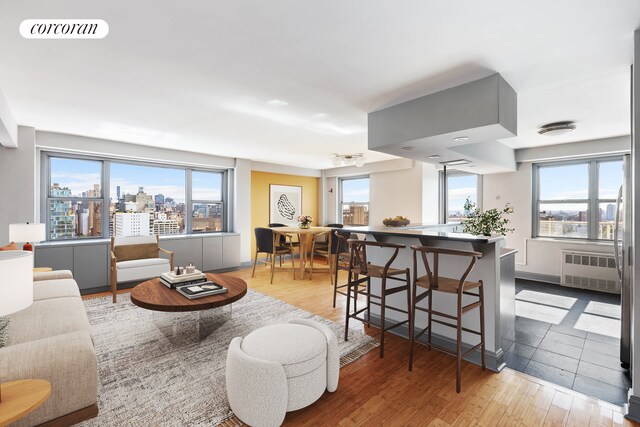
(285, 204)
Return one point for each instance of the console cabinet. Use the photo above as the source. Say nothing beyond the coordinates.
(89, 259)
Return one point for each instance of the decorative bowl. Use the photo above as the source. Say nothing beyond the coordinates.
(395, 223)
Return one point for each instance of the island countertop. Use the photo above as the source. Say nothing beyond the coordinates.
(438, 231)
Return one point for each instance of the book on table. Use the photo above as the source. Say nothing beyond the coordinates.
(171, 280)
(201, 290)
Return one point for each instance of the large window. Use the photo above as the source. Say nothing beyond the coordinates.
(577, 199)
(89, 197)
(354, 201)
(460, 186)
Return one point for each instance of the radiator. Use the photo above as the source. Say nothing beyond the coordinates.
(588, 270)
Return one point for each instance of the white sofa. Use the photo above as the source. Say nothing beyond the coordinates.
(280, 368)
(137, 258)
(50, 340)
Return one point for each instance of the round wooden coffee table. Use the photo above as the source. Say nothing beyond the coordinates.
(153, 295)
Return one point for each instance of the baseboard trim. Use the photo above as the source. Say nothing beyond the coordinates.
(493, 361)
(631, 409)
(537, 277)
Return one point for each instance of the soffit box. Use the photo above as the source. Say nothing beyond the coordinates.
(483, 110)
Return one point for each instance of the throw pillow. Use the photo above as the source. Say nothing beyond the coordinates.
(10, 247)
(4, 330)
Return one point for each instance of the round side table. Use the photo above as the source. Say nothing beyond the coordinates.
(20, 398)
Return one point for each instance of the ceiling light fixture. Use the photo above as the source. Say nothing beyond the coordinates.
(434, 156)
(461, 138)
(458, 162)
(356, 160)
(407, 148)
(557, 128)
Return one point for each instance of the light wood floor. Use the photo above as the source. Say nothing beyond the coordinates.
(374, 391)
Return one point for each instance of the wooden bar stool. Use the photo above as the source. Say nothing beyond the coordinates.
(433, 282)
(341, 260)
(361, 272)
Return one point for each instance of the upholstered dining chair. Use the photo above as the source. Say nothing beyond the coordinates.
(269, 242)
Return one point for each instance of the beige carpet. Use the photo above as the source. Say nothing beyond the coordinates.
(161, 369)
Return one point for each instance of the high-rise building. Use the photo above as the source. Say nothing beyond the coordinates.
(132, 224)
(82, 221)
(62, 218)
(611, 212)
(355, 215)
(144, 201)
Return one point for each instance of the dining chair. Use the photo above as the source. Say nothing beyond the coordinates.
(269, 242)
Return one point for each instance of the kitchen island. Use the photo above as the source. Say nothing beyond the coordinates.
(496, 261)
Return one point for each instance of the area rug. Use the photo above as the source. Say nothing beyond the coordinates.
(175, 375)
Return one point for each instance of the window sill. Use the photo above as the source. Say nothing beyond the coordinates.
(573, 241)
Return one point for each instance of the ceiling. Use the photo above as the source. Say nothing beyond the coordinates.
(291, 82)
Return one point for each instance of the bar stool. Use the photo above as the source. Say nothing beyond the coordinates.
(359, 266)
(342, 260)
(433, 282)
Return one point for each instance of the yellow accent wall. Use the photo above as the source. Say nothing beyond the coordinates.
(260, 182)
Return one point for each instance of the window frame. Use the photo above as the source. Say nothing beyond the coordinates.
(192, 201)
(340, 215)
(105, 187)
(443, 192)
(47, 198)
(592, 201)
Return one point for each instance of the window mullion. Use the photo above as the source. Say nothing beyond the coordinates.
(592, 225)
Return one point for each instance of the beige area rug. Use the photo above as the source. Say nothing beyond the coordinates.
(164, 369)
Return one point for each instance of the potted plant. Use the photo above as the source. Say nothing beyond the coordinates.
(487, 222)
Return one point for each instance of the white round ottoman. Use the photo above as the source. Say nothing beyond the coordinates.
(280, 368)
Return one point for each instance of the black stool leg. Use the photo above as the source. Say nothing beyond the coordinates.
(346, 320)
(459, 342)
(481, 308)
(411, 308)
(383, 302)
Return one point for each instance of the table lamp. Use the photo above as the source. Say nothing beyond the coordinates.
(25, 232)
(16, 286)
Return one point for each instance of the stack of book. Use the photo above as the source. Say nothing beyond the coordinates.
(172, 280)
(201, 290)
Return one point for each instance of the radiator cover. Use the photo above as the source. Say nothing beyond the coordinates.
(589, 270)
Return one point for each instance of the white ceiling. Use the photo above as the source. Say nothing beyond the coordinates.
(292, 81)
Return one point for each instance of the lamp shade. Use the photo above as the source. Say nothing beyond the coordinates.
(25, 232)
(16, 286)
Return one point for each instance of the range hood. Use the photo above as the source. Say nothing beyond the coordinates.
(460, 126)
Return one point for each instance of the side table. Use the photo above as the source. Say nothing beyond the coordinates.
(20, 398)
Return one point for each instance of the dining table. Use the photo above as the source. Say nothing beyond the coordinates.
(305, 237)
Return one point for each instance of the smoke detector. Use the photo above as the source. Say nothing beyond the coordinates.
(557, 128)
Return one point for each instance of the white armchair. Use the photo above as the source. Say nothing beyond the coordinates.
(137, 258)
(280, 368)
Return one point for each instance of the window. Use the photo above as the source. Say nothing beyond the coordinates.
(143, 199)
(354, 203)
(146, 200)
(74, 199)
(577, 199)
(460, 186)
(207, 207)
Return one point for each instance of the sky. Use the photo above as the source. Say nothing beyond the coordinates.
(81, 175)
(355, 190)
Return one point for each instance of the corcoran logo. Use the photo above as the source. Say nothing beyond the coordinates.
(64, 29)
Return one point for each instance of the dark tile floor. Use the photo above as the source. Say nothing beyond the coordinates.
(569, 337)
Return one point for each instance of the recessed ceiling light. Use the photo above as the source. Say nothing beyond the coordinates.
(407, 148)
(557, 128)
(458, 162)
(434, 156)
(461, 138)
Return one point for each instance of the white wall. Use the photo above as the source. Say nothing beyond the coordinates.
(17, 182)
(242, 207)
(397, 187)
(8, 125)
(396, 193)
